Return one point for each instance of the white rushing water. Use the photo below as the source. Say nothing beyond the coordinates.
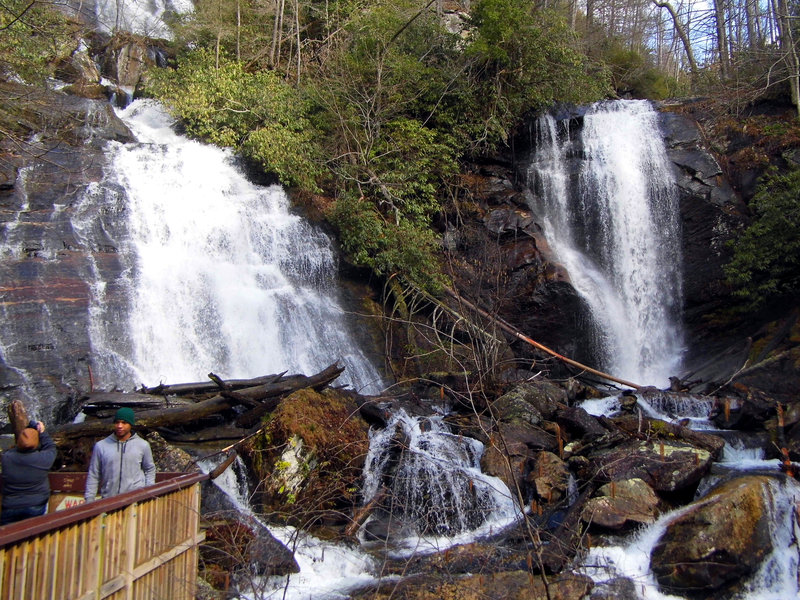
(776, 579)
(219, 273)
(142, 17)
(440, 498)
(614, 226)
(438, 493)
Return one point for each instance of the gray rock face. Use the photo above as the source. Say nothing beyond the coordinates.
(710, 214)
(622, 503)
(46, 264)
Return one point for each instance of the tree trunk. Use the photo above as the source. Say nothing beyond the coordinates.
(753, 40)
(722, 38)
(679, 29)
(789, 50)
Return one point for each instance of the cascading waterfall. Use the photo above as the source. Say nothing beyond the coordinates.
(628, 556)
(612, 220)
(220, 275)
(437, 493)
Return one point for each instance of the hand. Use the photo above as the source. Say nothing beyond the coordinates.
(40, 427)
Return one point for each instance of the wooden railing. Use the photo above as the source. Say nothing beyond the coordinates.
(141, 545)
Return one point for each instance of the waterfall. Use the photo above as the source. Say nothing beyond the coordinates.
(609, 209)
(437, 494)
(218, 273)
(140, 17)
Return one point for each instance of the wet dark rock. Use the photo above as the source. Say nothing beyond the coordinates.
(622, 504)
(508, 585)
(169, 458)
(45, 362)
(578, 423)
(666, 466)
(549, 478)
(618, 588)
(511, 408)
(242, 547)
(721, 539)
(384, 527)
(743, 413)
(545, 396)
(711, 214)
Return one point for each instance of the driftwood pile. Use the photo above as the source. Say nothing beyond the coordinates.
(195, 412)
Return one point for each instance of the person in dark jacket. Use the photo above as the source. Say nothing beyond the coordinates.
(121, 462)
(26, 488)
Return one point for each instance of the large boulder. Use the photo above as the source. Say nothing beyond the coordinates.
(549, 478)
(310, 455)
(510, 453)
(622, 504)
(720, 539)
(667, 466)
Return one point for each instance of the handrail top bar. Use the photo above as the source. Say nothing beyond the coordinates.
(36, 525)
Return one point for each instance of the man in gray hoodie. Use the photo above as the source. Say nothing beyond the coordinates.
(121, 462)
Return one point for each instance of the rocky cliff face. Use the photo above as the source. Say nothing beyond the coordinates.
(46, 263)
(711, 214)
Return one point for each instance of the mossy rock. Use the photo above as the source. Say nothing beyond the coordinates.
(310, 456)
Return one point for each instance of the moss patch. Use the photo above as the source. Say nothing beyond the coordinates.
(311, 453)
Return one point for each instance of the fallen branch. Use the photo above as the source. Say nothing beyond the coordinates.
(511, 330)
(362, 513)
(208, 387)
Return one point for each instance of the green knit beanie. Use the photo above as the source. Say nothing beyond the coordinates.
(125, 414)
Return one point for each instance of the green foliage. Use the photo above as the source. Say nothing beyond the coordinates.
(766, 261)
(524, 59)
(387, 247)
(257, 114)
(33, 37)
(633, 72)
(377, 98)
(402, 100)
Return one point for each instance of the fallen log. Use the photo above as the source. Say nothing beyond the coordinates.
(208, 387)
(206, 434)
(109, 401)
(268, 395)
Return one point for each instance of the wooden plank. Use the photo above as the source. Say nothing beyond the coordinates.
(3, 579)
(58, 566)
(36, 569)
(129, 548)
(176, 550)
(111, 586)
(21, 574)
(69, 585)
